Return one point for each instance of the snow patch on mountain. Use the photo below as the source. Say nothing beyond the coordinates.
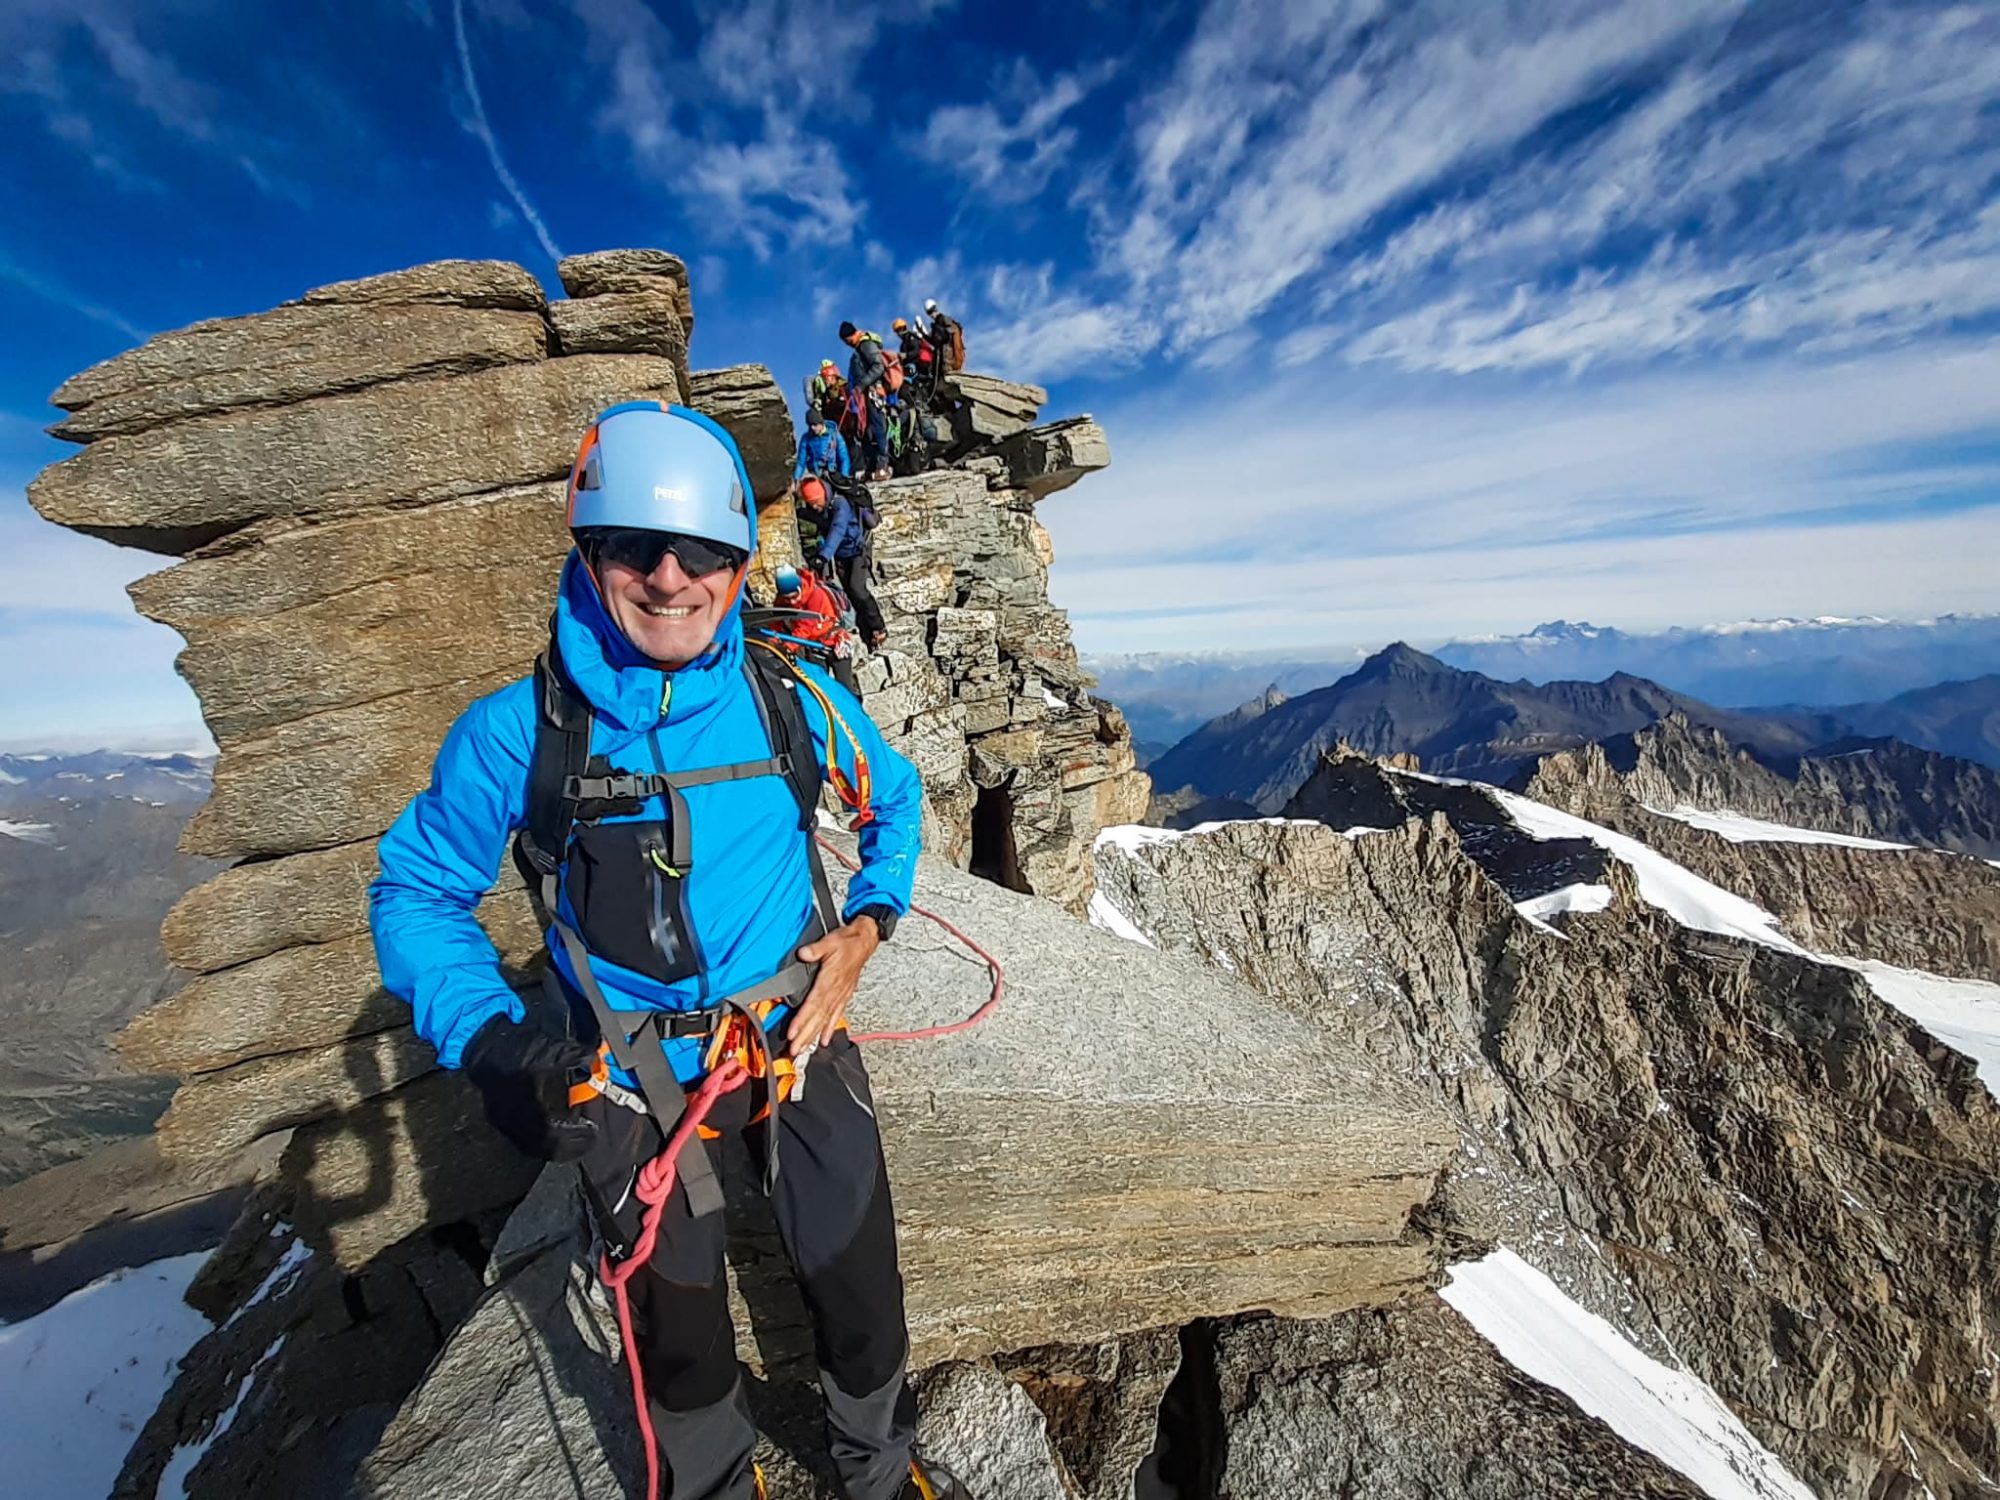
(78, 1380)
(32, 833)
(1104, 914)
(1739, 829)
(174, 1478)
(1675, 890)
(1964, 1014)
(1586, 898)
(1670, 1413)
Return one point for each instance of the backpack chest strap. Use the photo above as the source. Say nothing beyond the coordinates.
(637, 786)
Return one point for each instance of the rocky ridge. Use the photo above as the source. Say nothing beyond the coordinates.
(1877, 789)
(1739, 1154)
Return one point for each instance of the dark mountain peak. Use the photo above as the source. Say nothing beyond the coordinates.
(1400, 659)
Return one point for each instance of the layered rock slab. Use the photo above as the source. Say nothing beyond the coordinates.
(285, 355)
(1130, 1139)
(1043, 460)
(600, 273)
(1409, 1400)
(405, 442)
(457, 283)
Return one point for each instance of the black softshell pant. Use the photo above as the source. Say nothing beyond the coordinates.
(832, 1205)
(854, 578)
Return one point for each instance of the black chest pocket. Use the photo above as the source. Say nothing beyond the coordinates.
(630, 901)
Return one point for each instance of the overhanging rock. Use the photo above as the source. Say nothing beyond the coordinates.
(1042, 460)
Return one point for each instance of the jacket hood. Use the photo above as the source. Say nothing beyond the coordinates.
(629, 690)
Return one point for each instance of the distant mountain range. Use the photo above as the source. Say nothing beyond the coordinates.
(165, 780)
(1460, 723)
(89, 864)
(1401, 701)
(1823, 662)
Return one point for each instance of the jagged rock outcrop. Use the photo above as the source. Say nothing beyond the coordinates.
(1880, 789)
(1738, 1154)
(1042, 460)
(1919, 908)
(980, 684)
(1406, 1400)
(987, 409)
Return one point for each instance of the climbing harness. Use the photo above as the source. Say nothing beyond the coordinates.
(655, 1182)
(570, 790)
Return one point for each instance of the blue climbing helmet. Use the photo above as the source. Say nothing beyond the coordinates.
(653, 467)
(788, 580)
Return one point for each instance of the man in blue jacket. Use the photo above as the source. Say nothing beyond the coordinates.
(671, 841)
(845, 554)
(821, 450)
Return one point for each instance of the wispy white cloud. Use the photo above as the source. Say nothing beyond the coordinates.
(49, 289)
(1550, 184)
(481, 129)
(1657, 500)
(1007, 148)
(742, 125)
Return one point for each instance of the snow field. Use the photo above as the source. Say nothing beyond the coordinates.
(80, 1379)
(1107, 916)
(1538, 909)
(1739, 829)
(1671, 1414)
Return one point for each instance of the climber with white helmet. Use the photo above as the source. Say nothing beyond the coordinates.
(660, 777)
(947, 339)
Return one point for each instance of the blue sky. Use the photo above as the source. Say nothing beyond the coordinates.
(1405, 319)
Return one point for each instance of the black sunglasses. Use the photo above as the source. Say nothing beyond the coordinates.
(641, 551)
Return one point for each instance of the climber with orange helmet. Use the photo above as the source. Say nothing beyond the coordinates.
(826, 392)
(843, 514)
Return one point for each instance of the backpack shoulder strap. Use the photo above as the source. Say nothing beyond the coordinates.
(776, 683)
(562, 751)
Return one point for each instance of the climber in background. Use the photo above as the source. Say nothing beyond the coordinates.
(822, 450)
(692, 905)
(826, 392)
(867, 418)
(844, 522)
(814, 612)
(919, 361)
(947, 339)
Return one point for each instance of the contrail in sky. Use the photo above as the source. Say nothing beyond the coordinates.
(484, 131)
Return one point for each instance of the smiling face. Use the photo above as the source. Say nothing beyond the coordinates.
(669, 616)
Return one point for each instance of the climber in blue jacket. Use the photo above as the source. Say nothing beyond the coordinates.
(821, 451)
(670, 836)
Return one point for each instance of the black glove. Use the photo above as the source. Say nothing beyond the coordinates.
(523, 1075)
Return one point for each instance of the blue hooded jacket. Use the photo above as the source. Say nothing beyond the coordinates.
(749, 888)
(841, 533)
(820, 455)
